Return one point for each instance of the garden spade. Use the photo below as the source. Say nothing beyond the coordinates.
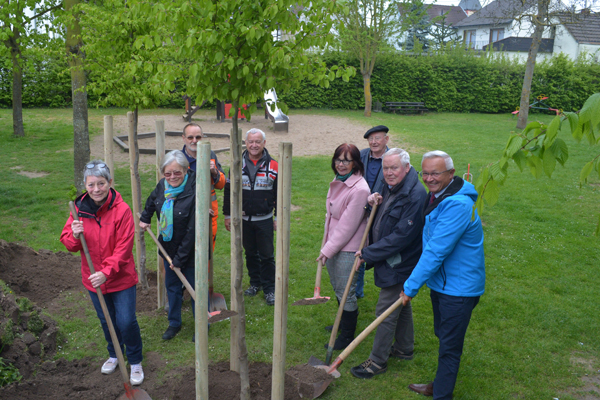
(332, 369)
(217, 300)
(317, 298)
(212, 316)
(338, 317)
(130, 392)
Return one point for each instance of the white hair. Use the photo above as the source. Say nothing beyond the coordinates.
(255, 130)
(439, 153)
(99, 169)
(404, 156)
(175, 155)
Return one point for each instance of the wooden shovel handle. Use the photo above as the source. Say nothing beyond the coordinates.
(338, 317)
(111, 328)
(176, 269)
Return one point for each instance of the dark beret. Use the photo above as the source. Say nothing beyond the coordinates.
(378, 128)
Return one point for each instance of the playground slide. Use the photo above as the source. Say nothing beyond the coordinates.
(280, 120)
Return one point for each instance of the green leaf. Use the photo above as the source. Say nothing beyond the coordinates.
(531, 126)
(520, 159)
(234, 94)
(552, 131)
(549, 162)
(497, 173)
(573, 120)
(514, 144)
(597, 233)
(491, 193)
(560, 150)
(245, 70)
(585, 172)
(535, 166)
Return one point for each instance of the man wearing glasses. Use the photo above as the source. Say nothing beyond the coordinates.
(394, 251)
(192, 134)
(372, 157)
(452, 265)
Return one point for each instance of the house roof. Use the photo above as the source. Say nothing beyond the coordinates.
(454, 13)
(584, 27)
(498, 12)
(520, 44)
(473, 5)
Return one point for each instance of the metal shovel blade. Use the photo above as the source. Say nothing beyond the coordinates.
(310, 390)
(134, 393)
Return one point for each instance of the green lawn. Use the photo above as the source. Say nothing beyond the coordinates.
(534, 334)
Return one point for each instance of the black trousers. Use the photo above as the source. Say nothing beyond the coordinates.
(257, 238)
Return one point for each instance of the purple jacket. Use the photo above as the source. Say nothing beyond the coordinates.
(345, 221)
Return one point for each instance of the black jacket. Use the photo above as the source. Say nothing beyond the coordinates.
(181, 247)
(259, 190)
(397, 252)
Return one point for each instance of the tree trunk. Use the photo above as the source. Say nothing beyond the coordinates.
(239, 350)
(17, 88)
(368, 98)
(530, 66)
(81, 137)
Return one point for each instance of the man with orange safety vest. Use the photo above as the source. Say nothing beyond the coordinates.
(192, 134)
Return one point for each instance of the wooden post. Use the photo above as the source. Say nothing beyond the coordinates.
(284, 203)
(237, 264)
(161, 290)
(135, 195)
(108, 145)
(203, 238)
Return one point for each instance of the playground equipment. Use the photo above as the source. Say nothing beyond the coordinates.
(280, 120)
(540, 105)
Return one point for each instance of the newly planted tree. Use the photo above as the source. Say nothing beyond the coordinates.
(231, 53)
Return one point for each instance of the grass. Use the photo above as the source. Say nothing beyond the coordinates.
(537, 320)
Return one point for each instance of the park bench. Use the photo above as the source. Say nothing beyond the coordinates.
(406, 107)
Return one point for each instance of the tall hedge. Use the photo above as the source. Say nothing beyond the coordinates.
(455, 80)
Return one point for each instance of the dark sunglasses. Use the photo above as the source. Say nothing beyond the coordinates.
(198, 138)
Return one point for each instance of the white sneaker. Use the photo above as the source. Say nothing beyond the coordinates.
(109, 366)
(137, 374)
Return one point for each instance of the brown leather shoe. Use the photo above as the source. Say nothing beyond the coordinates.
(424, 389)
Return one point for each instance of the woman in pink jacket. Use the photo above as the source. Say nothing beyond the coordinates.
(345, 224)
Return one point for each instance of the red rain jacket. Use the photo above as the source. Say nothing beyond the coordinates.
(109, 234)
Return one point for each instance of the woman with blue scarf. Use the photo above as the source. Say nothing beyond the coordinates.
(174, 201)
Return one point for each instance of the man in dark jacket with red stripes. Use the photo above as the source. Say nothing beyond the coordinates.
(394, 251)
(259, 197)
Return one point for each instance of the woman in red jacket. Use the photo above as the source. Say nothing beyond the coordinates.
(107, 223)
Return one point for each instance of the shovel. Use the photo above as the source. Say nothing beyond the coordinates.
(217, 300)
(130, 392)
(317, 298)
(212, 316)
(338, 317)
(332, 369)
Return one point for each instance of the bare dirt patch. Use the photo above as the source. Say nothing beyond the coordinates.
(591, 379)
(310, 134)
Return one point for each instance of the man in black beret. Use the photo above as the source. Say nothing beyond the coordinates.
(371, 158)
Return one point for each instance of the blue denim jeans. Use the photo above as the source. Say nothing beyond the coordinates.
(360, 282)
(451, 317)
(175, 292)
(121, 308)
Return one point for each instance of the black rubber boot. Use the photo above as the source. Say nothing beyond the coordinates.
(347, 330)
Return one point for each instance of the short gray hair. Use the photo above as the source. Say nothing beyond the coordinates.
(191, 124)
(404, 156)
(439, 153)
(175, 155)
(255, 130)
(96, 168)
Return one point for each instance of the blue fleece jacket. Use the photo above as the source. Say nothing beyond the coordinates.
(452, 262)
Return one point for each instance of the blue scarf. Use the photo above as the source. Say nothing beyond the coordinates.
(166, 213)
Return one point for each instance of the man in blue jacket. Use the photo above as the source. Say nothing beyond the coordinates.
(452, 265)
(394, 251)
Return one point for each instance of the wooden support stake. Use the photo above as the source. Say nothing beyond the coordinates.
(108, 145)
(282, 269)
(203, 238)
(161, 290)
(237, 264)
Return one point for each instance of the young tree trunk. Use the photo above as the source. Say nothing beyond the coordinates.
(530, 66)
(367, 89)
(17, 88)
(239, 350)
(81, 137)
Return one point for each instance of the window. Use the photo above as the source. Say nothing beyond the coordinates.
(469, 38)
(496, 34)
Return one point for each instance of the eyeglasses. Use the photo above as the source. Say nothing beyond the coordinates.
(372, 138)
(99, 165)
(174, 173)
(345, 162)
(198, 138)
(432, 174)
